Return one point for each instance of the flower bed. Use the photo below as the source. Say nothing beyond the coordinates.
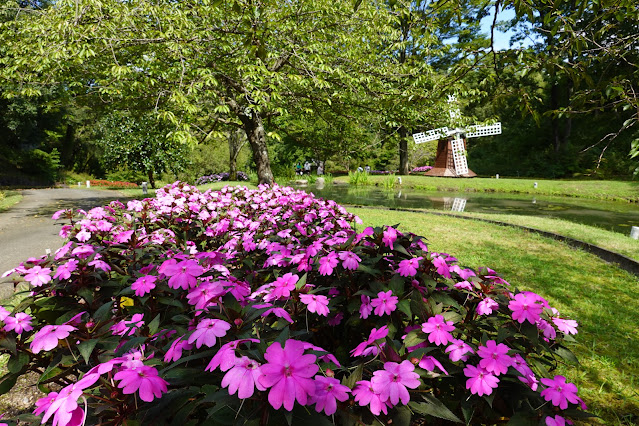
(219, 177)
(265, 305)
(421, 169)
(112, 183)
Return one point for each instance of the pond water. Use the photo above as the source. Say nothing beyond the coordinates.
(613, 216)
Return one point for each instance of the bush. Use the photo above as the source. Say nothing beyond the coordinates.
(45, 165)
(261, 306)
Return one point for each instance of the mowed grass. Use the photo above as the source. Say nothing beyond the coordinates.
(604, 190)
(600, 296)
(9, 199)
(609, 240)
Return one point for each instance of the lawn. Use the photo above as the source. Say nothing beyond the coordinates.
(8, 199)
(600, 296)
(604, 190)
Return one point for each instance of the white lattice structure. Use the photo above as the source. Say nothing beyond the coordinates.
(457, 136)
(459, 204)
(459, 156)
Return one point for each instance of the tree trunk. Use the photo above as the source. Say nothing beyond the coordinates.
(256, 135)
(403, 151)
(254, 128)
(149, 173)
(235, 145)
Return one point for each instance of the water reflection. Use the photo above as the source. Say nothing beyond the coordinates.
(615, 216)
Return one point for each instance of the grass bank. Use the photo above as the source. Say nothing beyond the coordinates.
(8, 199)
(600, 296)
(603, 190)
(609, 240)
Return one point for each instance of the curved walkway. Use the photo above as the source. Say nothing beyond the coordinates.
(26, 229)
(624, 262)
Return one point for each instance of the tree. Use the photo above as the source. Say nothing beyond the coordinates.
(141, 144)
(590, 55)
(251, 60)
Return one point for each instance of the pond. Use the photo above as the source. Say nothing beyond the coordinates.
(613, 216)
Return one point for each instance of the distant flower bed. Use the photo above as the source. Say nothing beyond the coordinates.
(113, 183)
(421, 169)
(219, 177)
(382, 172)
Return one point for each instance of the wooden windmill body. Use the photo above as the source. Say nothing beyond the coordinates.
(450, 160)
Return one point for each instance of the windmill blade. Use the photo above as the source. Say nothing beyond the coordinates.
(479, 131)
(459, 156)
(431, 135)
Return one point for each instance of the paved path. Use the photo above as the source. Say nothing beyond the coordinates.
(26, 230)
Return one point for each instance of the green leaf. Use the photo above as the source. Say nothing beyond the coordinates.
(413, 339)
(402, 417)
(7, 382)
(566, 354)
(434, 407)
(404, 306)
(355, 377)
(153, 325)
(301, 282)
(18, 361)
(86, 348)
(103, 312)
(9, 343)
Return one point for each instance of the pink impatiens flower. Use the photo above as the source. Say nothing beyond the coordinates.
(555, 421)
(494, 357)
(19, 322)
(288, 373)
(175, 351)
(207, 331)
(365, 394)
(565, 325)
(128, 328)
(144, 285)
(438, 330)
(328, 263)
(283, 286)
(442, 267)
(458, 349)
(430, 362)
(38, 276)
(480, 382)
(328, 391)
(349, 260)
(143, 379)
(365, 308)
(64, 271)
(408, 267)
(47, 337)
(315, 303)
(559, 392)
(389, 237)
(372, 338)
(243, 378)
(183, 274)
(384, 303)
(391, 383)
(525, 308)
(487, 306)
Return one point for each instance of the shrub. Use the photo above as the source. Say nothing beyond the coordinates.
(261, 306)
